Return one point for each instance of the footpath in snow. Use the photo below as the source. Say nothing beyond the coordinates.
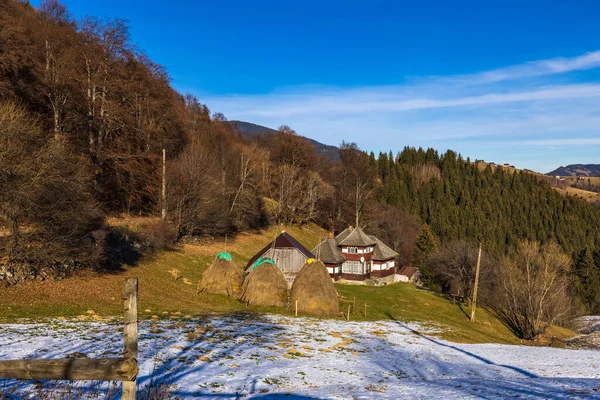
(270, 357)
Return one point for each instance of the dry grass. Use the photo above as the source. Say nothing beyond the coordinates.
(222, 277)
(314, 291)
(265, 286)
(584, 194)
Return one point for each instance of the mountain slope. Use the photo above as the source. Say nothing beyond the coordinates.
(249, 129)
(577, 169)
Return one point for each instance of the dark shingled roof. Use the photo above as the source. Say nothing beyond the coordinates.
(285, 240)
(327, 251)
(356, 238)
(343, 235)
(381, 251)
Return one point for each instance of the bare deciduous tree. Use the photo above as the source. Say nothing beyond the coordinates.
(535, 285)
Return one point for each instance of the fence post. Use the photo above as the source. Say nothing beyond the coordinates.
(131, 333)
(348, 312)
(296, 308)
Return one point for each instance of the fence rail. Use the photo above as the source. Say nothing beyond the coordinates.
(123, 369)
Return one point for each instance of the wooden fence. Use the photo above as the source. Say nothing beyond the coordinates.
(123, 369)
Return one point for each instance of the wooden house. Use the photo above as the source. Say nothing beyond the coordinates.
(354, 255)
(289, 255)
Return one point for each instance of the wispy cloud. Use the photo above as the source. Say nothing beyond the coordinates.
(484, 114)
(563, 142)
(559, 65)
(387, 100)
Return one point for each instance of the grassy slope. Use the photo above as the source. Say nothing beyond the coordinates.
(159, 291)
(162, 295)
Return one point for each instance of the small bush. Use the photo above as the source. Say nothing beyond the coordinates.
(159, 235)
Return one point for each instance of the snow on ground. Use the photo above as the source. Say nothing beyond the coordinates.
(269, 357)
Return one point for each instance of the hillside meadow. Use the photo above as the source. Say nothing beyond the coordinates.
(168, 282)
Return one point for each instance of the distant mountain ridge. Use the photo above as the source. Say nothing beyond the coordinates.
(577, 169)
(249, 129)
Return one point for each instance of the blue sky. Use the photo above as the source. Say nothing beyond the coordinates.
(510, 81)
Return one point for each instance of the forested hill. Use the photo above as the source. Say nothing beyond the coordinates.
(498, 207)
(81, 106)
(251, 130)
(577, 169)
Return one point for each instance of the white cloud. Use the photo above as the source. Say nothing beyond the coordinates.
(563, 142)
(531, 69)
(489, 112)
(357, 101)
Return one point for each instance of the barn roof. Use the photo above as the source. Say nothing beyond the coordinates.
(381, 251)
(356, 238)
(283, 241)
(328, 252)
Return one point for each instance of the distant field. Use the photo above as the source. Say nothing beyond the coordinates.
(585, 194)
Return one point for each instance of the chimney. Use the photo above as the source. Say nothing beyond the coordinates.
(331, 235)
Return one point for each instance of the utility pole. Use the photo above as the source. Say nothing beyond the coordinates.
(163, 199)
(474, 301)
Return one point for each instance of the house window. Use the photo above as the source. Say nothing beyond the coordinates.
(353, 250)
(352, 267)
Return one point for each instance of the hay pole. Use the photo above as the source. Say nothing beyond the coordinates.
(365, 310)
(296, 308)
(348, 312)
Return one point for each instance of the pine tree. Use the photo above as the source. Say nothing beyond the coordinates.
(588, 280)
(424, 246)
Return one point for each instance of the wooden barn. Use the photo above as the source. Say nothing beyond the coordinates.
(354, 255)
(289, 255)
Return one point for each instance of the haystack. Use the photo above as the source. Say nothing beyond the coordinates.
(265, 286)
(222, 277)
(314, 290)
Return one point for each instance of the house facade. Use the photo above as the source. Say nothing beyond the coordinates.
(354, 255)
(288, 254)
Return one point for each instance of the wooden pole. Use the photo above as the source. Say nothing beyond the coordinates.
(365, 310)
(474, 301)
(75, 369)
(163, 197)
(131, 333)
(296, 308)
(348, 312)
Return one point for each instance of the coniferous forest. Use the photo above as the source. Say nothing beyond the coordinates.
(84, 119)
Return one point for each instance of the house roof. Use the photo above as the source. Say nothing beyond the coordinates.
(327, 251)
(356, 238)
(343, 235)
(408, 271)
(381, 251)
(283, 241)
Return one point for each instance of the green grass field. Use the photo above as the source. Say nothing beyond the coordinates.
(162, 295)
